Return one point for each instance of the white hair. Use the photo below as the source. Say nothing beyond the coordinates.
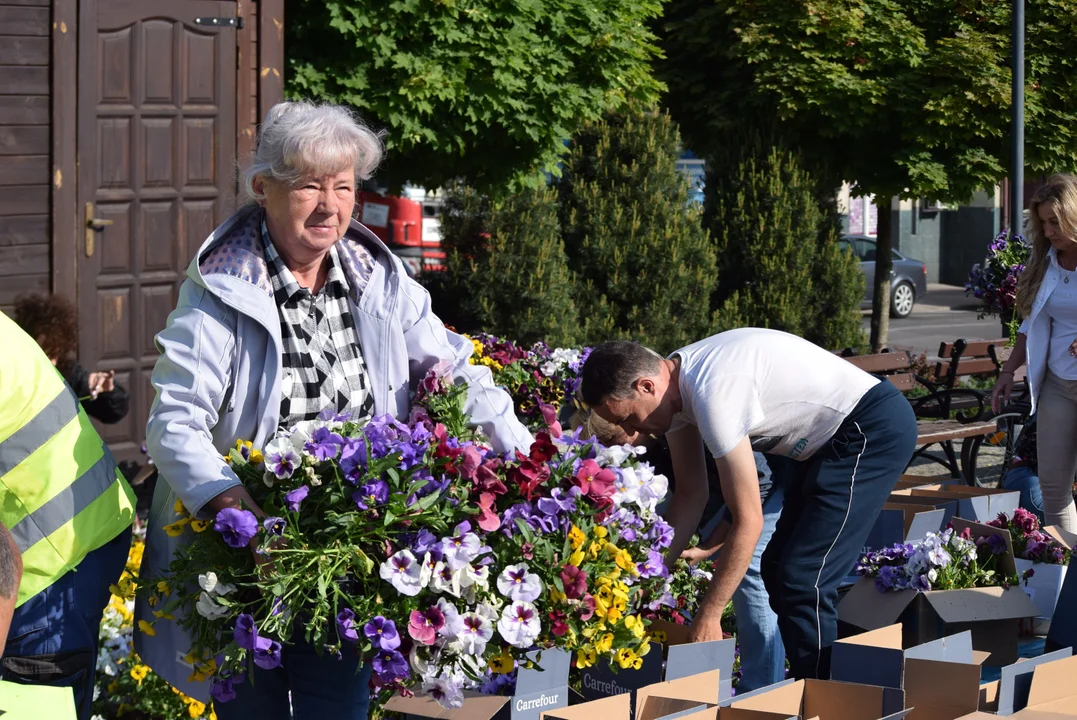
(300, 139)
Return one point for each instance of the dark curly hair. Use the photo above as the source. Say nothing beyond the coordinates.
(53, 322)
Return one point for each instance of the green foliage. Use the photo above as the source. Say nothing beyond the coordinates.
(506, 271)
(904, 97)
(479, 89)
(645, 264)
(778, 262)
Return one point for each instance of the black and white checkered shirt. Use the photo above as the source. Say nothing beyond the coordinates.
(322, 361)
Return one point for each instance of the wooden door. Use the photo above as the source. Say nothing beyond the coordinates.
(156, 147)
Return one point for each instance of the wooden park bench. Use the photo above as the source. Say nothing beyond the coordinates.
(947, 412)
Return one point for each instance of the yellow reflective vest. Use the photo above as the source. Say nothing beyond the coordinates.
(61, 495)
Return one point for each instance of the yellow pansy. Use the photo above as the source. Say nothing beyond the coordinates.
(197, 676)
(162, 615)
(478, 348)
(502, 664)
(147, 628)
(624, 561)
(586, 656)
(594, 549)
(659, 636)
(152, 600)
(635, 625)
(122, 709)
(604, 644)
(644, 648)
(600, 532)
(576, 558)
(625, 658)
(124, 588)
(195, 709)
(178, 507)
(199, 525)
(139, 673)
(176, 529)
(556, 596)
(613, 615)
(113, 686)
(162, 587)
(576, 538)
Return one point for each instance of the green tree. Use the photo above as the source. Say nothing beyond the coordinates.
(645, 263)
(904, 98)
(778, 261)
(506, 270)
(479, 89)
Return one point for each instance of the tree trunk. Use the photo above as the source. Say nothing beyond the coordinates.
(884, 264)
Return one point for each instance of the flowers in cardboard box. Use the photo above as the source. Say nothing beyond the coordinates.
(1029, 540)
(940, 561)
(417, 547)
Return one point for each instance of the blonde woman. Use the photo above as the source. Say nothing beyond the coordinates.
(1047, 341)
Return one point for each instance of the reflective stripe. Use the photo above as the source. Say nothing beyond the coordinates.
(50, 420)
(63, 508)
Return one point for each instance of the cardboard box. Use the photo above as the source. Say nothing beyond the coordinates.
(973, 503)
(991, 614)
(822, 699)
(1040, 683)
(685, 698)
(903, 522)
(537, 690)
(1045, 585)
(941, 679)
(682, 659)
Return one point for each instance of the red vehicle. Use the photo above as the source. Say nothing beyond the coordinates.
(409, 227)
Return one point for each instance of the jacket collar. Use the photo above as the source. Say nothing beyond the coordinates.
(231, 263)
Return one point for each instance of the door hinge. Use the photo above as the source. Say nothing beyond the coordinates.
(236, 22)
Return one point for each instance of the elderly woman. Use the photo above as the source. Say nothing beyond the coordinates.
(291, 308)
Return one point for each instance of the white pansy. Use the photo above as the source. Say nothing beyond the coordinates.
(208, 608)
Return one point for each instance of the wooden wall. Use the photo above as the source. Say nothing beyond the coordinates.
(24, 148)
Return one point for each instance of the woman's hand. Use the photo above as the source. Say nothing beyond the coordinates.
(101, 382)
(1000, 396)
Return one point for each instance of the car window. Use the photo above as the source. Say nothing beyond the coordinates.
(865, 250)
(894, 256)
(845, 245)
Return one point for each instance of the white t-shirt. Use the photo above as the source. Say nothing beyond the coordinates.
(1061, 307)
(785, 393)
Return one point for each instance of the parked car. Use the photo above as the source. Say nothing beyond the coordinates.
(908, 283)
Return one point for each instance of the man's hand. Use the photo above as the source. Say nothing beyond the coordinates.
(705, 629)
(697, 553)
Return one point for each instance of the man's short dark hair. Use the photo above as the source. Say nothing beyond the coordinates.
(613, 368)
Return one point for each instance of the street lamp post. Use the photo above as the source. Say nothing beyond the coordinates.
(1017, 155)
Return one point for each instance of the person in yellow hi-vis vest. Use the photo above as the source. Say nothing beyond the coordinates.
(69, 512)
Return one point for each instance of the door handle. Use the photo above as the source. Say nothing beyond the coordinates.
(93, 225)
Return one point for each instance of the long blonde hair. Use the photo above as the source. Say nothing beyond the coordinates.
(1060, 192)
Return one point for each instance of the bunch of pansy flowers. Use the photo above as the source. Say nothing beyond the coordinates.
(413, 544)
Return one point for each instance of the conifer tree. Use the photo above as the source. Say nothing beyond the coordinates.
(645, 264)
(506, 270)
(778, 263)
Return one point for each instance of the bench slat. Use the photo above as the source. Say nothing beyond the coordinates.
(939, 430)
(967, 366)
(881, 362)
(974, 349)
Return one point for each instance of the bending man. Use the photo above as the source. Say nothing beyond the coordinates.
(836, 438)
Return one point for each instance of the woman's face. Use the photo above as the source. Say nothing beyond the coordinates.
(308, 219)
(1059, 237)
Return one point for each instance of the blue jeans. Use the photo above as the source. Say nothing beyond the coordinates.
(762, 655)
(321, 688)
(53, 636)
(1023, 478)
